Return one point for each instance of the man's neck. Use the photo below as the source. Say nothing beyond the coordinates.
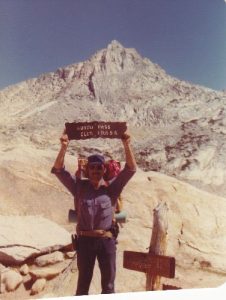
(97, 184)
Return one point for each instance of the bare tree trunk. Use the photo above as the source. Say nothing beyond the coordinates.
(158, 242)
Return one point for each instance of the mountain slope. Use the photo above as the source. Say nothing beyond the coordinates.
(178, 128)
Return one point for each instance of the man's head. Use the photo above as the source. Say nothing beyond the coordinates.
(96, 167)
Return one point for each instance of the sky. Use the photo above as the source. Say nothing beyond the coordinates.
(187, 38)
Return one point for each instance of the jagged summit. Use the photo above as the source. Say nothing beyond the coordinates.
(114, 59)
(113, 69)
(115, 44)
(115, 50)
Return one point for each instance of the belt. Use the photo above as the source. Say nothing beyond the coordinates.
(95, 233)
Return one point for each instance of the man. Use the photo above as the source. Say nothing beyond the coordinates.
(96, 201)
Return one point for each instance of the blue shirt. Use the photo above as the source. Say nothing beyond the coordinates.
(96, 206)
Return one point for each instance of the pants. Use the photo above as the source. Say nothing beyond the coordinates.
(90, 248)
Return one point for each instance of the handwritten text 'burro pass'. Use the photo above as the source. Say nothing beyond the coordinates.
(95, 129)
(102, 130)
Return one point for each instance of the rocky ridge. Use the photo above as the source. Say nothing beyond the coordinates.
(179, 128)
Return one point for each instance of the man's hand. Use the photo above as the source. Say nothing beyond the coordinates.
(126, 138)
(59, 162)
(130, 159)
(64, 140)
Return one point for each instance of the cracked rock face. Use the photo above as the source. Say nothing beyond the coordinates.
(23, 237)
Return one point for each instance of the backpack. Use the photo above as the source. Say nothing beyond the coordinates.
(82, 171)
(113, 168)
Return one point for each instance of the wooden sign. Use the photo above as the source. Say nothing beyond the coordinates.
(149, 263)
(88, 130)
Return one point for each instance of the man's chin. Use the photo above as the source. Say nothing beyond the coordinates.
(95, 178)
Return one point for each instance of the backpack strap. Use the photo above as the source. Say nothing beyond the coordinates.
(114, 221)
(79, 194)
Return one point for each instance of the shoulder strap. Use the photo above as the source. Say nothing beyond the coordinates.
(113, 208)
(78, 197)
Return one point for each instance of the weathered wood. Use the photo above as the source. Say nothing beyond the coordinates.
(166, 287)
(149, 263)
(154, 263)
(88, 130)
(158, 242)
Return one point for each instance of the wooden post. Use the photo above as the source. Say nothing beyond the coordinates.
(158, 243)
(154, 263)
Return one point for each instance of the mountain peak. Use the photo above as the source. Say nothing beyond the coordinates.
(116, 58)
(115, 44)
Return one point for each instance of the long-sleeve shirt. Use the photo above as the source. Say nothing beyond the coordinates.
(96, 206)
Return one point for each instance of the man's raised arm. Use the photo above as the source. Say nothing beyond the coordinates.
(130, 159)
(58, 167)
(59, 162)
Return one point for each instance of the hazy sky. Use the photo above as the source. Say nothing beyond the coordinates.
(187, 38)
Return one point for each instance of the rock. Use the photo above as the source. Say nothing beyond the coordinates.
(2, 268)
(67, 279)
(28, 278)
(70, 254)
(48, 272)
(38, 286)
(11, 280)
(28, 281)
(49, 259)
(24, 270)
(27, 236)
(48, 295)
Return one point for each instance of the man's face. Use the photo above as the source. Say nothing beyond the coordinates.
(96, 171)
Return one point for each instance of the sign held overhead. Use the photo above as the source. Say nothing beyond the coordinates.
(88, 130)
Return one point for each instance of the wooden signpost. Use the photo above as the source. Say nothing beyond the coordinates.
(88, 130)
(149, 263)
(154, 263)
